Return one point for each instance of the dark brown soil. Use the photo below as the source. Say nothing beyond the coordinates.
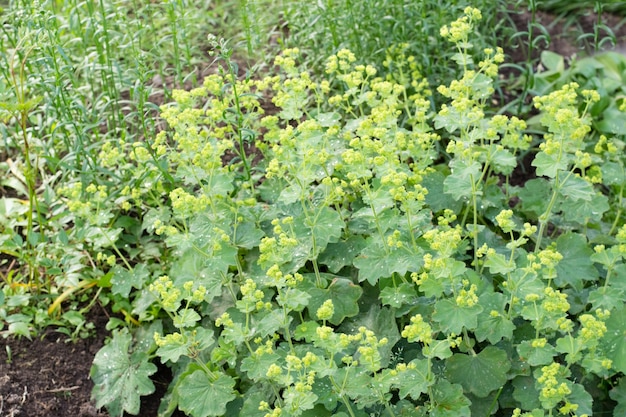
(49, 376)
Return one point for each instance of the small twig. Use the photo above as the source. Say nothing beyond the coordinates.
(74, 388)
(24, 395)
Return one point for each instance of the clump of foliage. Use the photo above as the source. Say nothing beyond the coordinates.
(359, 269)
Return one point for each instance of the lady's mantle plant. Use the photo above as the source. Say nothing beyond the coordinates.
(360, 270)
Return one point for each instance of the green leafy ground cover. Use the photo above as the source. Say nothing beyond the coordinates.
(344, 234)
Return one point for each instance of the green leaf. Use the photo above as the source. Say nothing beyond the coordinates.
(121, 378)
(247, 235)
(607, 298)
(382, 322)
(344, 295)
(124, 280)
(613, 342)
(499, 264)
(582, 398)
(613, 173)
(340, 254)
(257, 365)
(453, 318)
(173, 350)
(576, 265)
(186, 318)
(396, 297)
(414, 380)
(326, 227)
(536, 356)
(376, 261)
(613, 122)
(584, 212)
(270, 323)
(618, 394)
(571, 346)
(479, 374)
(436, 198)
(193, 267)
(493, 327)
(549, 165)
(577, 188)
(553, 61)
(328, 119)
(201, 396)
(448, 400)
(525, 391)
(503, 161)
(535, 195)
(461, 181)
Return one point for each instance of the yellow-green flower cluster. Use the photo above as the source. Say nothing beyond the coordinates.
(174, 338)
(340, 62)
(109, 260)
(511, 130)
(169, 295)
(111, 154)
(326, 310)
(460, 29)
(252, 298)
(277, 250)
(186, 205)
(592, 328)
(444, 240)
(560, 115)
(505, 222)
(553, 388)
(467, 297)
(418, 331)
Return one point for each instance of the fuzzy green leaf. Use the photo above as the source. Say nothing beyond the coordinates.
(121, 378)
(548, 165)
(493, 327)
(257, 365)
(382, 322)
(535, 196)
(536, 356)
(193, 267)
(577, 188)
(436, 198)
(247, 236)
(460, 182)
(453, 318)
(173, 350)
(449, 401)
(340, 254)
(414, 380)
(583, 211)
(344, 295)
(479, 374)
(395, 297)
(376, 261)
(124, 280)
(613, 342)
(525, 391)
(499, 264)
(576, 265)
(202, 397)
(618, 394)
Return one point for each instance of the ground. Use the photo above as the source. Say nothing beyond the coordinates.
(49, 377)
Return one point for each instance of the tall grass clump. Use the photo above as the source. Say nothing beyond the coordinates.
(79, 80)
